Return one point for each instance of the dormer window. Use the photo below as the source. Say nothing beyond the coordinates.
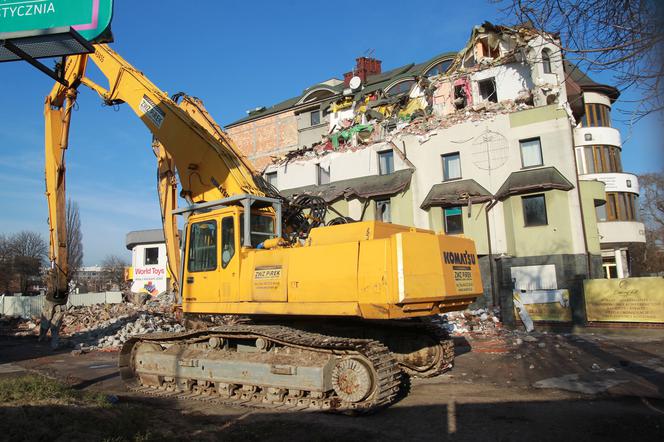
(546, 60)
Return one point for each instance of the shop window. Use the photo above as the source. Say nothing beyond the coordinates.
(546, 60)
(534, 210)
(453, 219)
(451, 166)
(322, 175)
(271, 178)
(597, 115)
(314, 118)
(531, 152)
(151, 256)
(202, 256)
(227, 241)
(386, 162)
(383, 211)
(488, 90)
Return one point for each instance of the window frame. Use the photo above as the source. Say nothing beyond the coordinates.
(391, 156)
(216, 247)
(233, 241)
(525, 198)
(445, 217)
(311, 118)
(145, 256)
(488, 98)
(541, 154)
(546, 61)
(319, 169)
(596, 115)
(385, 202)
(448, 155)
(270, 175)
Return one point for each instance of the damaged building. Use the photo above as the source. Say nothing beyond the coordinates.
(505, 142)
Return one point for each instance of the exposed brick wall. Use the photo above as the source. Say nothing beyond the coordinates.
(263, 138)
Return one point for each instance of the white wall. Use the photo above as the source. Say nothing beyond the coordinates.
(152, 279)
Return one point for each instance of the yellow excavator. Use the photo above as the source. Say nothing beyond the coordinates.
(328, 317)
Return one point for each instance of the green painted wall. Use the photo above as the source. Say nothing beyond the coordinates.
(340, 206)
(402, 208)
(550, 239)
(591, 191)
(536, 115)
(474, 227)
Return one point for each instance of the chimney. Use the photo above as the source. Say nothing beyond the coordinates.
(364, 67)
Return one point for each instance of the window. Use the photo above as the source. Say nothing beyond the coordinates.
(322, 175)
(600, 211)
(621, 206)
(546, 60)
(439, 68)
(383, 212)
(602, 159)
(262, 228)
(597, 115)
(151, 256)
(202, 247)
(385, 162)
(315, 118)
(453, 220)
(451, 166)
(227, 241)
(531, 152)
(271, 178)
(534, 210)
(400, 88)
(488, 89)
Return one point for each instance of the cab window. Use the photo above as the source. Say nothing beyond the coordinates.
(262, 228)
(202, 256)
(227, 241)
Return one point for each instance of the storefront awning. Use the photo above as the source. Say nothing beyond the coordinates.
(456, 193)
(533, 180)
(361, 188)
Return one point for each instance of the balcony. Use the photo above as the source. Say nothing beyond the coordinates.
(621, 232)
(599, 135)
(615, 182)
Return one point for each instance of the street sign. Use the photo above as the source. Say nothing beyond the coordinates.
(90, 18)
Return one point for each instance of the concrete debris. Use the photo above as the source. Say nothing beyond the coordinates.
(595, 367)
(480, 321)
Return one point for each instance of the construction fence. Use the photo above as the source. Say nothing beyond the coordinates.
(29, 306)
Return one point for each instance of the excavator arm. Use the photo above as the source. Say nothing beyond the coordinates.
(187, 142)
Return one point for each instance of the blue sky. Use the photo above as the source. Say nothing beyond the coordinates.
(235, 57)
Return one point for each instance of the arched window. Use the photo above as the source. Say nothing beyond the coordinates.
(400, 88)
(546, 60)
(439, 68)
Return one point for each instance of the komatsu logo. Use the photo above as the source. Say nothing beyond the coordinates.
(459, 258)
(13, 8)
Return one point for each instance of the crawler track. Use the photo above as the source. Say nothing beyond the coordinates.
(384, 369)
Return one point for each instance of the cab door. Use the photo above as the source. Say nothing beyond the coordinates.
(202, 270)
(230, 260)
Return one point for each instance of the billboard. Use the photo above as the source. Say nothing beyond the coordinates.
(91, 18)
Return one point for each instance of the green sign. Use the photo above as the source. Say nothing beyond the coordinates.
(91, 18)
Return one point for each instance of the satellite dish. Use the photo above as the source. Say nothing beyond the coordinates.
(355, 83)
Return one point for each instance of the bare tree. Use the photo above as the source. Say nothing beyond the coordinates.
(625, 37)
(648, 258)
(6, 264)
(113, 268)
(28, 251)
(74, 238)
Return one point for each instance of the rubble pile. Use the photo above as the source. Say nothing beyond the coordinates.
(480, 322)
(17, 326)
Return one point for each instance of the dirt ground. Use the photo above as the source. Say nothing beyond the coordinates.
(591, 385)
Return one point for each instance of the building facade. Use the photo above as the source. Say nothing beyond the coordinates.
(489, 142)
